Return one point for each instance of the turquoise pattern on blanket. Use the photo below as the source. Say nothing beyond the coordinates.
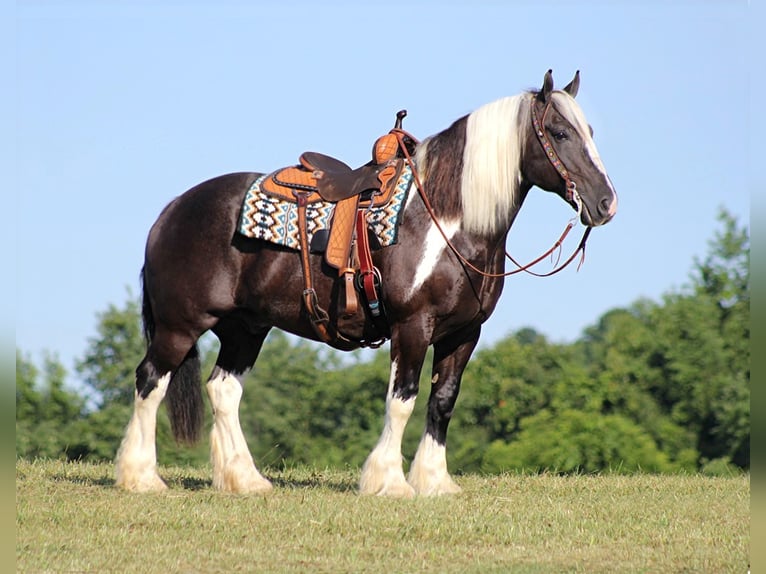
(271, 219)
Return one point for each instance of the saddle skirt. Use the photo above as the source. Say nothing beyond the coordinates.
(270, 212)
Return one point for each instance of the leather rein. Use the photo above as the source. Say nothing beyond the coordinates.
(571, 195)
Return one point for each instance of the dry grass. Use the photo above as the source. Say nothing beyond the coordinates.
(69, 517)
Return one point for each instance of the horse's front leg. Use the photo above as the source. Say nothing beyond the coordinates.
(382, 473)
(428, 473)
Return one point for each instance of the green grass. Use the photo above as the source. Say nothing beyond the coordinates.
(70, 518)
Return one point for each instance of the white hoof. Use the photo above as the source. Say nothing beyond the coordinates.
(443, 485)
(384, 480)
(139, 479)
(428, 473)
(241, 477)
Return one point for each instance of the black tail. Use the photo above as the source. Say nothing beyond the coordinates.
(186, 408)
(146, 310)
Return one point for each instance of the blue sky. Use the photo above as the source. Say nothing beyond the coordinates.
(122, 106)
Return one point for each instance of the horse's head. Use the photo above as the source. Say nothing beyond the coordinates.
(562, 157)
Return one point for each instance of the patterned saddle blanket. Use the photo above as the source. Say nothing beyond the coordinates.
(270, 218)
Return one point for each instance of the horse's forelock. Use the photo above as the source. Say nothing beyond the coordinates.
(568, 107)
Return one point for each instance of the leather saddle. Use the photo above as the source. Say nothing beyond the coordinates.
(326, 178)
(319, 177)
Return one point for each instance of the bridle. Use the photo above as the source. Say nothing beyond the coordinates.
(571, 195)
(550, 153)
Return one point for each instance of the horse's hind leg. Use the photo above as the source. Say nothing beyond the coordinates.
(233, 466)
(168, 357)
(428, 472)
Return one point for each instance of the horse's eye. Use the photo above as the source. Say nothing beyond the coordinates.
(560, 136)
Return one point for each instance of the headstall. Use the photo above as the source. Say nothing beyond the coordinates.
(538, 125)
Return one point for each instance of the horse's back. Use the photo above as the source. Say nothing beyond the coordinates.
(212, 203)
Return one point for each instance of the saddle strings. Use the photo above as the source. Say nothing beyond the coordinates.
(401, 134)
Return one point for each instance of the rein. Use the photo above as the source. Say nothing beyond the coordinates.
(571, 194)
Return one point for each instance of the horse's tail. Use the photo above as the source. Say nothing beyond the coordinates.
(186, 408)
(147, 315)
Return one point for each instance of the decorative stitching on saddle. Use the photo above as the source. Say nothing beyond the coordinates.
(272, 219)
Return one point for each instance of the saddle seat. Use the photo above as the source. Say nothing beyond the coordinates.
(319, 177)
(325, 178)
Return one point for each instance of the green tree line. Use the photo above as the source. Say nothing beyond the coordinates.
(658, 386)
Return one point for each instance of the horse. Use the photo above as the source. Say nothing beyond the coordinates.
(440, 283)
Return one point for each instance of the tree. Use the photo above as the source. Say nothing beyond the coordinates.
(624, 355)
(724, 274)
(706, 347)
(680, 368)
(504, 385)
(46, 412)
(577, 441)
(108, 367)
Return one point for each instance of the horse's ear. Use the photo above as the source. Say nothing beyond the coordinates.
(572, 87)
(547, 88)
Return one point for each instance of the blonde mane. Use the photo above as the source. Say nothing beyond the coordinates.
(491, 175)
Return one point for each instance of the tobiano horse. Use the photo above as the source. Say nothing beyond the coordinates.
(440, 283)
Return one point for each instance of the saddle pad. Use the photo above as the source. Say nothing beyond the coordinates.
(269, 218)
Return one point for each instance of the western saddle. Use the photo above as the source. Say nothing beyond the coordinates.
(346, 244)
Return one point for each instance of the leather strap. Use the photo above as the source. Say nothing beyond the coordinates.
(539, 127)
(350, 303)
(367, 271)
(319, 317)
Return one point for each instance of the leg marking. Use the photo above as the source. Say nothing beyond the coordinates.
(428, 473)
(382, 473)
(136, 464)
(233, 466)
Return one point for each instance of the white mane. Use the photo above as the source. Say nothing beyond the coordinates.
(491, 164)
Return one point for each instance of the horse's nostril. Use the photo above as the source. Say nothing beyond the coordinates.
(604, 206)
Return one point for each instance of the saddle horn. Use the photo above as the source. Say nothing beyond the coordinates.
(400, 115)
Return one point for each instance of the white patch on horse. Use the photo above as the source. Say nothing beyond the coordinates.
(433, 246)
(382, 473)
(428, 472)
(136, 464)
(568, 107)
(233, 466)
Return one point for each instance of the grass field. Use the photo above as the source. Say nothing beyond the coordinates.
(70, 518)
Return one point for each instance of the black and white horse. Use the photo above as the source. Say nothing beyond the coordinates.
(200, 275)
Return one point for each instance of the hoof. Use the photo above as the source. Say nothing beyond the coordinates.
(396, 490)
(440, 488)
(148, 481)
(381, 481)
(241, 477)
(240, 485)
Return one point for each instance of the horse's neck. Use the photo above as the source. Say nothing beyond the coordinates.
(439, 219)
